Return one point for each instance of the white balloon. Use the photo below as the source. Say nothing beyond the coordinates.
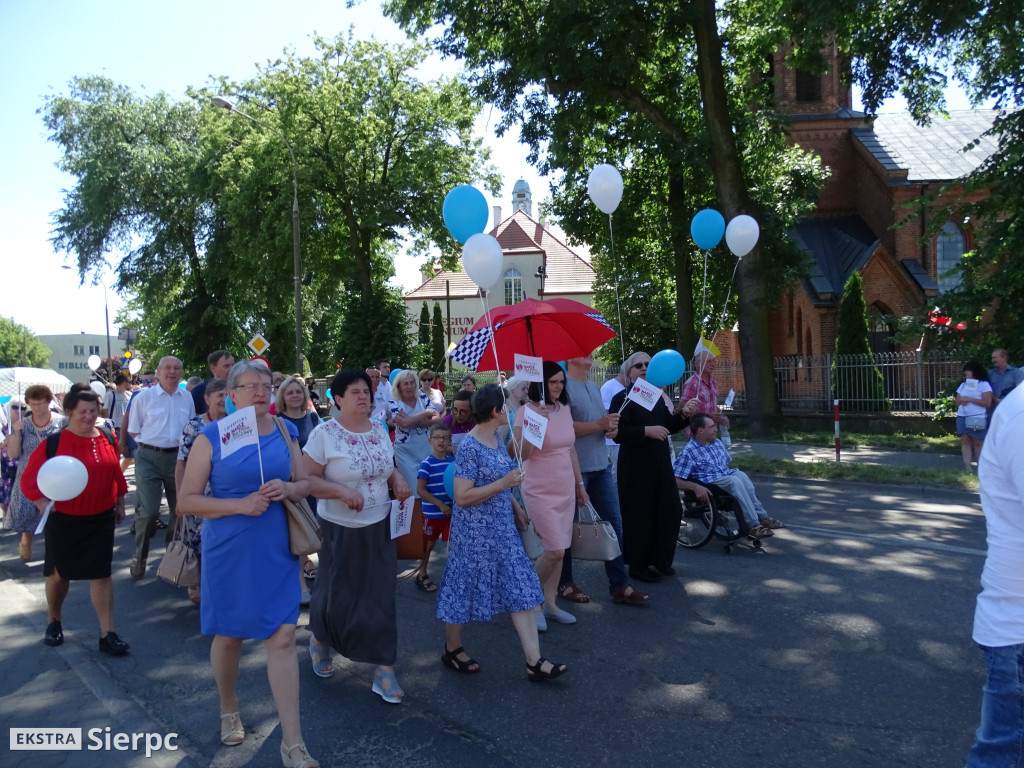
(94, 362)
(98, 387)
(741, 235)
(62, 478)
(482, 259)
(134, 366)
(605, 187)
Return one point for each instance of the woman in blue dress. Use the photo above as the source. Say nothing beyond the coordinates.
(248, 585)
(488, 572)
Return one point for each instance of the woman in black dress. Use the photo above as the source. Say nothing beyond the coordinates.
(647, 490)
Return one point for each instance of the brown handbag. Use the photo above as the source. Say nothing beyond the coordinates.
(180, 564)
(413, 545)
(304, 533)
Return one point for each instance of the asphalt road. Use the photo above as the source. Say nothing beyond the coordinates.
(846, 642)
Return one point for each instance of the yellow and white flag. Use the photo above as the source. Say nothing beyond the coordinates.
(706, 346)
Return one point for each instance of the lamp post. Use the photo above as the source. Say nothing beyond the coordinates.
(106, 319)
(223, 103)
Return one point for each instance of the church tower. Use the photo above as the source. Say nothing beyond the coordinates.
(522, 199)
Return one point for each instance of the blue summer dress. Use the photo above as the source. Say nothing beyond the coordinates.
(249, 583)
(488, 572)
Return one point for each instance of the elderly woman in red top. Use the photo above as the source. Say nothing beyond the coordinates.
(80, 532)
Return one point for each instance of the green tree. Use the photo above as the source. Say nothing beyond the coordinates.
(437, 345)
(618, 74)
(20, 347)
(856, 380)
(199, 201)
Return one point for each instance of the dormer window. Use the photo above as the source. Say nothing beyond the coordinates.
(808, 87)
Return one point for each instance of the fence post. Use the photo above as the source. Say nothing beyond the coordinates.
(835, 414)
(920, 382)
(828, 380)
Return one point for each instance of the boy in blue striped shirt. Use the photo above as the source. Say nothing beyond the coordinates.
(437, 506)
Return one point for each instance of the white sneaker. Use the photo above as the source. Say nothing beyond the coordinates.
(557, 614)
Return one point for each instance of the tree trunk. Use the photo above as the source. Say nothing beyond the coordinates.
(763, 410)
(686, 338)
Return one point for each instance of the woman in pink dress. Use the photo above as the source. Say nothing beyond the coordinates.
(553, 484)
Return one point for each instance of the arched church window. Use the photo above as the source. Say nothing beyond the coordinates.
(949, 249)
(513, 286)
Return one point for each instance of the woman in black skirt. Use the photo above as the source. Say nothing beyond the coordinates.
(80, 532)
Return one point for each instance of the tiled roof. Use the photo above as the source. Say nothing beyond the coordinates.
(568, 268)
(839, 247)
(933, 152)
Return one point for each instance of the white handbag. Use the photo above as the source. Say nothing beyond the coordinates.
(592, 537)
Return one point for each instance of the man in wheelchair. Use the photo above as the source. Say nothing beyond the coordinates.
(706, 460)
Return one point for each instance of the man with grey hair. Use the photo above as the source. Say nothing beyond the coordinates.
(156, 419)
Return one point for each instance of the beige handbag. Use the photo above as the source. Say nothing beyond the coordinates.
(304, 533)
(180, 564)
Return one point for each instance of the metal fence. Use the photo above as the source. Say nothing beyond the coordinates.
(909, 381)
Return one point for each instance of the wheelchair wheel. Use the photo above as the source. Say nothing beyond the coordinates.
(728, 525)
(698, 523)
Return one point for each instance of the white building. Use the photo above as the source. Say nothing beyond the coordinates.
(538, 264)
(69, 352)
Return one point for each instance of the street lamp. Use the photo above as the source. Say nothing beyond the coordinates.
(222, 103)
(106, 319)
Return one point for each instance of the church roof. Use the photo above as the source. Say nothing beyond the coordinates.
(839, 247)
(568, 268)
(933, 152)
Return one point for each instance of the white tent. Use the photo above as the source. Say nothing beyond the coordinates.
(15, 380)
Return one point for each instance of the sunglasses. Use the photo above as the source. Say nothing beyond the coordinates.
(426, 379)
(640, 365)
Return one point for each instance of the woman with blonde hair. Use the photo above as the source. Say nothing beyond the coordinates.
(412, 414)
(248, 583)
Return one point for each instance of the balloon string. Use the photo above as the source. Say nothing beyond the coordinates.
(497, 366)
(704, 290)
(725, 309)
(618, 307)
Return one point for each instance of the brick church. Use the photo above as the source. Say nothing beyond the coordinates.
(872, 213)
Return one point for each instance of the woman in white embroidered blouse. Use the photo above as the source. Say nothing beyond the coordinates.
(350, 462)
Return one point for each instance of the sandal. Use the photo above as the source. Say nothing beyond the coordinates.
(385, 685)
(231, 732)
(573, 594)
(322, 666)
(425, 584)
(305, 759)
(760, 532)
(771, 522)
(451, 659)
(536, 673)
(309, 571)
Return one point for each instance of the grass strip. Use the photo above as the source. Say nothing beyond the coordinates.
(896, 442)
(862, 473)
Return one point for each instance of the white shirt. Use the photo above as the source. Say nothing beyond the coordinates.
(158, 418)
(610, 389)
(363, 461)
(381, 400)
(999, 615)
(972, 388)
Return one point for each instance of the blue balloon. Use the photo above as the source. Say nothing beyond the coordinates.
(393, 376)
(5, 399)
(329, 394)
(666, 367)
(707, 229)
(449, 481)
(561, 364)
(229, 407)
(182, 385)
(465, 212)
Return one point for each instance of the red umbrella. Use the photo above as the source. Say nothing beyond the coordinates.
(556, 329)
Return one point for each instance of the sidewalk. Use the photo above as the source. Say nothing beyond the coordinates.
(809, 453)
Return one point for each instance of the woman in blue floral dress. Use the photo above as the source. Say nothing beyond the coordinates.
(488, 572)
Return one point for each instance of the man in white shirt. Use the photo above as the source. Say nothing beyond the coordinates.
(610, 389)
(156, 420)
(999, 615)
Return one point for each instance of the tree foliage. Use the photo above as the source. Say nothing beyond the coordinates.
(856, 380)
(20, 347)
(198, 202)
(651, 89)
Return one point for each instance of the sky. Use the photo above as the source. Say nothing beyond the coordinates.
(150, 47)
(153, 47)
